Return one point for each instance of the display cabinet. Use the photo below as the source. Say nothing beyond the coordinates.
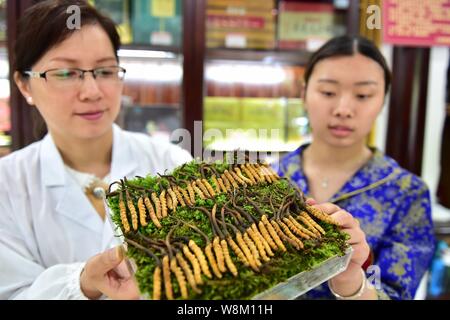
(254, 65)
(225, 64)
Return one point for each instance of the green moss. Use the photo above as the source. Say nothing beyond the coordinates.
(248, 283)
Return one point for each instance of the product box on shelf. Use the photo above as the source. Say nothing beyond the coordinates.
(240, 24)
(157, 22)
(306, 26)
(119, 11)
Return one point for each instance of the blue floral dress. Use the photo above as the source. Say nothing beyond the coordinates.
(393, 207)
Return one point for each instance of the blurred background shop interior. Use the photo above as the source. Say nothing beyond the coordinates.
(237, 66)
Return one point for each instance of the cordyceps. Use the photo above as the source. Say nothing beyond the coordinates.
(216, 228)
(216, 261)
(198, 252)
(157, 283)
(180, 276)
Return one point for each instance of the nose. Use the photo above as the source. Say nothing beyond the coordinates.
(89, 88)
(344, 109)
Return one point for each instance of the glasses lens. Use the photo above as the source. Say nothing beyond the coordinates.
(63, 74)
(110, 73)
(74, 77)
(63, 77)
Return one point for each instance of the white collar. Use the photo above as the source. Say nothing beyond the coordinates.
(86, 179)
(52, 166)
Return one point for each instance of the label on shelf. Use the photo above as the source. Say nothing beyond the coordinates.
(241, 11)
(161, 38)
(235, 40)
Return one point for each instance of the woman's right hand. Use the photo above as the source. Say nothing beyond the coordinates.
(100, 276)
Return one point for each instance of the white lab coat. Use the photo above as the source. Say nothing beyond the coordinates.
(48, 227)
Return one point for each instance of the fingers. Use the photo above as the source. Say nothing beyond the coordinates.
(327, 207)
(107, 260)
(356, 235)
(344, 219)
(349, 225)
(97, 267)
(123, 270)
(310, 202)
(107, 274)
(361, 252)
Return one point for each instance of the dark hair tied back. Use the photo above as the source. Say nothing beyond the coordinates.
(348, 46)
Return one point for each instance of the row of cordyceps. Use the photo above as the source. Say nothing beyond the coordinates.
(246, 225)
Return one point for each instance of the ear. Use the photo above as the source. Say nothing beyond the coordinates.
(24, 87)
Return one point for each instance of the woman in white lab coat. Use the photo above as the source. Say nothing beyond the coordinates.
(52, 231)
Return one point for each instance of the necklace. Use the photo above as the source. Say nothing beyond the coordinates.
(97, 188)
(95, 192)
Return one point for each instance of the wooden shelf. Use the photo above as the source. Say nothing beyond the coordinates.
(265, 56)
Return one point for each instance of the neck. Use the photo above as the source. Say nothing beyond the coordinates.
(347, 159)
(86, 155)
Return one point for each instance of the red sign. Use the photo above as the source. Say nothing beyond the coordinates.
(422, 23)
(230, 22)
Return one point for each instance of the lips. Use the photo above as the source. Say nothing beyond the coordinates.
(91, 115)
(340, 131)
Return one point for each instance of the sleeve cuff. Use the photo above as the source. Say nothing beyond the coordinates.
(74, 282)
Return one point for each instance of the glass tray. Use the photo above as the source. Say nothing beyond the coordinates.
(290, 289)
(304, 281)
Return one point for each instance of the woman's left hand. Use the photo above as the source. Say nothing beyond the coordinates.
(349, 281)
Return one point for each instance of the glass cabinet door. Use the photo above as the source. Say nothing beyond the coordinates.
(151, 35)
(151, 98)
(254, 106)
(255, 58)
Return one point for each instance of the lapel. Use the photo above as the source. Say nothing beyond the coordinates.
(374, 173)
(66, 195)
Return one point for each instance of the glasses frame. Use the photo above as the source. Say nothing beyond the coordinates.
(43, 75)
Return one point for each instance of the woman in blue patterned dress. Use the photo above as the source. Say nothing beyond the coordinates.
(346, 82)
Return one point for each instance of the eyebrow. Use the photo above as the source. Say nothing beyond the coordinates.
(359, 83)
(365, 83)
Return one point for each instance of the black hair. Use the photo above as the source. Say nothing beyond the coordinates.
(348, 46)
(44, 25)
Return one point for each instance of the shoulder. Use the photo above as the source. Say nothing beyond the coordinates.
(405, 179)
(17, 165)
(157, 150)
(290, 163)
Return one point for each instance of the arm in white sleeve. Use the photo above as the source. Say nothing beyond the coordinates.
(21, 275)
(176, 156)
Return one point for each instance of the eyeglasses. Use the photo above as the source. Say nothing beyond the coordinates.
(71, 77)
